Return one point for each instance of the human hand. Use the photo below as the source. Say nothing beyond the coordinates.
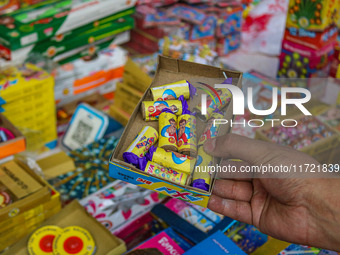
(299, 210)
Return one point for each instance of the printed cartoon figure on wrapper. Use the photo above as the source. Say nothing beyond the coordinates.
(174, 160)
(210, 131)
(187, 141)
(141, 144)
(154, 108)
(168, 130)
(171, 91)
(166, 173)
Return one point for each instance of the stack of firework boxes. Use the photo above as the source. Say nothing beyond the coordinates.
(129, 92)
(215, 24)
(26, 200)
(27, 101)
(309, 40)
(64, 30)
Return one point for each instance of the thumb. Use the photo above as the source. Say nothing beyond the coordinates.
(234, 146)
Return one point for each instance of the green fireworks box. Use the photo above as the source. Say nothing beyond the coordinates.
(48, 19)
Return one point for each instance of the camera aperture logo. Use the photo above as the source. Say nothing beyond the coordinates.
(238, 104)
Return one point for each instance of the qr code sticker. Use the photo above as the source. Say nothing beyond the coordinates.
(82, 133)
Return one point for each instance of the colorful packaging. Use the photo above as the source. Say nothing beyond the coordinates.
(35, 23)
(23, 104)
(146, 138)
(298, 61)
(229, 21)
(172, 91)
(74, 240)
(72, 40)
(151, 17)
(228, 44)
(204, 30)
(187, 13)
(166, 173)
(162, 243)
(312, 39)
(217, 243)
(210, 130)
(120, 203)
(190, 214)
(41, 240)
(311, 15)
(202, 175)
(172, 160)
(152, 109)
(168, 131)
(186, 135)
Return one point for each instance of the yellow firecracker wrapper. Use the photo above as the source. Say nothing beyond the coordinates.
(186, 135)
(41, 241)
(173, 160)
(147, 136)
(167, 131)
(166, 173)
(202, 174)
(214, 104)
(74, 240)
(152, 109)
(210, 130)
(171, 91)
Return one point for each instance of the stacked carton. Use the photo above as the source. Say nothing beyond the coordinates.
(216, 24)
(62, 29)
(26, 200)
(129, 92)
(27, 100)
(310, 36)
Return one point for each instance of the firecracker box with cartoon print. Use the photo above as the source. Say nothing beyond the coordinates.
(312, 14)
(35, 23)
(170, 70)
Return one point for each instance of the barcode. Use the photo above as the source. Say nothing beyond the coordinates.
(82, 132)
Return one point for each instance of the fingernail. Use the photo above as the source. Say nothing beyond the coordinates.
(210, 145)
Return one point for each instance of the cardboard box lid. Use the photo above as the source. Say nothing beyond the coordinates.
(75, 215)
(56, 164)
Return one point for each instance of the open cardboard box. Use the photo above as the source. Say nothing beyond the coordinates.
(75, 215)
(41, 194)
(12, 146)
(171, 70)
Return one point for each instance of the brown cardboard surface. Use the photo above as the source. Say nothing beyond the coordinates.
(126, 97)
(119, 115)
(30, 201)
(75, 215)
(171, 70)
(56, 164)
(14, 145)
(17, 180)
(135, 77)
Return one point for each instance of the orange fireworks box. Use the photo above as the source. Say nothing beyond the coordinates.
(171, 70)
